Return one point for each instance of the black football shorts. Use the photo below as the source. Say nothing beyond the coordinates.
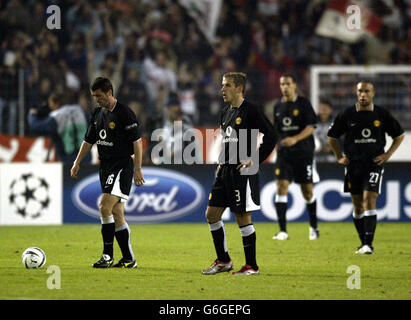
(299, 170)
(361, 177)
(241, 193)
(116, 177)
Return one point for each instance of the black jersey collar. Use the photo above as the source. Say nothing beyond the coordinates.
(115, 104)
(295, 99)
(356, 108)
(238, 106)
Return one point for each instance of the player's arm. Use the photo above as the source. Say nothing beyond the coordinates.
(138, 159)
(336, 130)
(335, 147)
(270, 138)
(290, 141)
(89, 139)
(83, 152)
(395, 130)
(382, 158)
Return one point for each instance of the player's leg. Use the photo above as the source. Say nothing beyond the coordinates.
(370, 218)
(358, 215)
(306, 175)
(371, 182)
(218, 233)
(249, 243)
(281, 205)
(122, 235)
(311, 203)
(223, 262)
(106, 206)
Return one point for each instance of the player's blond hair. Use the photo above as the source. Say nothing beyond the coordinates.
(239, 78)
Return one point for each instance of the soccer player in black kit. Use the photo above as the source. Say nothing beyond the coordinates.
(364, 127)
(114, 128)
(237, 182)
(294, 120)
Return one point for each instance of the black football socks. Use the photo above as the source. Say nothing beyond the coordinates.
(370, 224)
(122, 235)
(281, 208)
(358, 219)
(107, 232)
(312, 212)
(249, 244)
(220, 242)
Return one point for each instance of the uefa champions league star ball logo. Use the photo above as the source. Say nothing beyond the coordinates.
(29, 196)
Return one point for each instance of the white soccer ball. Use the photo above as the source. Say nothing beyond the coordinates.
(33, 258)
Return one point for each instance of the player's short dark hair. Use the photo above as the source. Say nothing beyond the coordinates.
(289, 75)
(102, 83)
(365, 81)
(239, 78)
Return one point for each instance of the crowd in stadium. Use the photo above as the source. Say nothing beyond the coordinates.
(153, 50)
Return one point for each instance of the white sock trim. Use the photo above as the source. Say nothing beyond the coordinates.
(247, 230)
(107, 220)
(369, 213)
(124, 226)
(280, 198)
(357, 215)
(312, 200)
(216, 225)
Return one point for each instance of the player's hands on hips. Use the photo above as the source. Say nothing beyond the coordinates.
(381, 159)
(344, 161)
(138, 177)
(288, 142)
(74, 170)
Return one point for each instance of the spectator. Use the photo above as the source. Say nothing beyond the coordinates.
(159, 78)
(66, 125)
(8, 95)
(323, 152)
(174, 128)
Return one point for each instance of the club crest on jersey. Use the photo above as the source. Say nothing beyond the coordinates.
(112, 125)
(277, 171)
(377, 123)
(238, 121)
(296, 112)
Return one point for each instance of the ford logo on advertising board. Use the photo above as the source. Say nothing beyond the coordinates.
(166, 195)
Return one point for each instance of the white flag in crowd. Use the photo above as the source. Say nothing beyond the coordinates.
(205, 13)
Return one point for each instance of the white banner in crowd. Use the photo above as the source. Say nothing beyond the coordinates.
(31, 194)
(205, 13)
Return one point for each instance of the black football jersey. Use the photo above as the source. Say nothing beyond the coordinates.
(113, 131)
(247, 117)
(290, 118)
(364, 132)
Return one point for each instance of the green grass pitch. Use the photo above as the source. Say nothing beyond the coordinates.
(171, 257)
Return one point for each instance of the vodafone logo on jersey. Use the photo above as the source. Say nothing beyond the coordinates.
(167, 195)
